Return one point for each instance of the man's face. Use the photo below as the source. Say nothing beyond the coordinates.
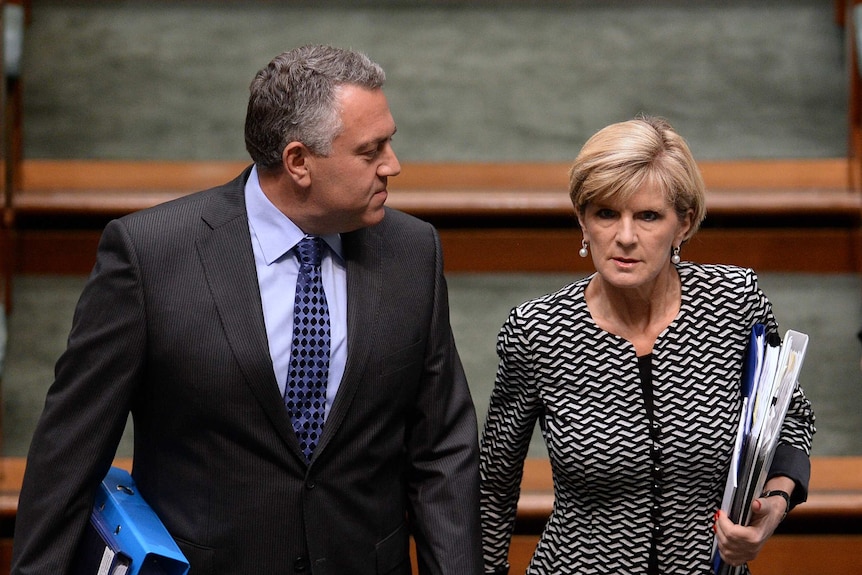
(348, 187)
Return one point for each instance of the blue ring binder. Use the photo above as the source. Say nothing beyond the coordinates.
(125, 536)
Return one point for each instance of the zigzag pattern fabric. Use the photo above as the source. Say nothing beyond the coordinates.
(305, 393)
(612, 476)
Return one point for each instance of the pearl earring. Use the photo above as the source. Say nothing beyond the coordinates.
(675, 259)
(584, 251)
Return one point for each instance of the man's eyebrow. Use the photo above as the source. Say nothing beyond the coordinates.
(377, 141)
(389, 137)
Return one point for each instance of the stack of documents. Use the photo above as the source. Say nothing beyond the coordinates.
(769, 379)
(125, 536)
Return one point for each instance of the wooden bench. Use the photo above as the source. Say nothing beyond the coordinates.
(795, 215)
(471, 190)
(14, 17)
(821, 537)
(852, 50)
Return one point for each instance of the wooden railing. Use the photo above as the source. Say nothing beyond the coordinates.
(820, 537)
(852, 50)
(794, 215)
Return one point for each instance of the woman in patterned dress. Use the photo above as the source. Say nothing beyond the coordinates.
(633, 375)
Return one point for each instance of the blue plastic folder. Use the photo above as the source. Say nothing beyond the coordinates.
(125, 536)
(770, 375)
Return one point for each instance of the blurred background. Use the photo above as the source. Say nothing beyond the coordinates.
(750, 84)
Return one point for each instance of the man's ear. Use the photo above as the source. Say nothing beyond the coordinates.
(295, 158)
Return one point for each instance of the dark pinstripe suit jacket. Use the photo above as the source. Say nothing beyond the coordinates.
(170, 328)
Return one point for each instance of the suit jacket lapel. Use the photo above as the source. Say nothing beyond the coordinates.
(362, 253)
(228, 263)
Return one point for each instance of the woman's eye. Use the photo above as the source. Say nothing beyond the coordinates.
(650, 216)
(604, 213)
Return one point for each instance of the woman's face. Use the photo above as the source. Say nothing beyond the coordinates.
(631, 241)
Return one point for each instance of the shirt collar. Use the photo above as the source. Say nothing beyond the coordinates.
(276, 233)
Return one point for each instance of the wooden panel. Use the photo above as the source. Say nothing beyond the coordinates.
(778, 174)
(520, 552)
(472, 194)
(835, 495)
(777, 215)
(782, 555)
(836, 473)
(810, 204)
(525, 250)
(834, 250)
(854, 111)
(71, 252)
(126, 175)
(829, 173)
(836, 492)
(5, 556)
(810, 555)
(472, 206)
(12, 475)
(555, 250)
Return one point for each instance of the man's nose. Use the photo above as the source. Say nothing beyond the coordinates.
(390, 165)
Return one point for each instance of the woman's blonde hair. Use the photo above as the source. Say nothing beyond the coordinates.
(619, 159)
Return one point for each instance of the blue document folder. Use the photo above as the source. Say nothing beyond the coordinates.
(125, 536)
(770, 375)
(99, 552)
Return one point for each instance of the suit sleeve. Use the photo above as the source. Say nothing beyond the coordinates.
(443, 442)
(792, 455)
(85, 412)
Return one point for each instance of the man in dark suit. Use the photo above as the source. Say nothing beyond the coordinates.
(187, 323)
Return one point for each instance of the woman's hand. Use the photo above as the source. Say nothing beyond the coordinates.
(738, 544)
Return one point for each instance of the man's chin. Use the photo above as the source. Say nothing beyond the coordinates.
(371, 218)
(375, 216)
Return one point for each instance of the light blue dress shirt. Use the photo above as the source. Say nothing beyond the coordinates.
(273, 236)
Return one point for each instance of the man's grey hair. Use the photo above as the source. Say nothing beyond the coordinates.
(294, 99)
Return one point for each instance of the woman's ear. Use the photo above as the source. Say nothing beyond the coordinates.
(685, 226)
(295, 159)
(581, 223)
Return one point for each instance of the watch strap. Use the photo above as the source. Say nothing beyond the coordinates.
(779, 493)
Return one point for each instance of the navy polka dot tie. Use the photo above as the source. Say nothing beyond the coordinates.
(305, 393)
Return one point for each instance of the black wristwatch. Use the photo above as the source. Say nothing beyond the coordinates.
(780, 493)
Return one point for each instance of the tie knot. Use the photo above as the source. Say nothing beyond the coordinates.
(309, 250)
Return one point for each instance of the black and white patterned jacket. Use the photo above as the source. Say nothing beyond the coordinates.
(620, 486)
